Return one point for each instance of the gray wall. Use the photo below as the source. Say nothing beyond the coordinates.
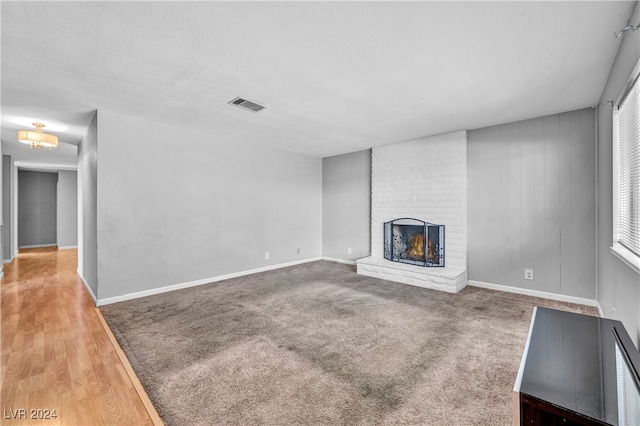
(618, 285)
(176, 206)
(36, 208)
(346, 205)
(3, 228)
(88, 206)
(7, 210)
(532, 204)
(67, 209)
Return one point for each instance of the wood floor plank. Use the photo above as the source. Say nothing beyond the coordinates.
(56, 354)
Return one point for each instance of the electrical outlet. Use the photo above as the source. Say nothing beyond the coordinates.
(297, 251)
(266, 255)
(349, 250)
(528, 274)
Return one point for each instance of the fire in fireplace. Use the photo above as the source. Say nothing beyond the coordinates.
(404, 241)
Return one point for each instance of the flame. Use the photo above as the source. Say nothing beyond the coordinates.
(416, 250)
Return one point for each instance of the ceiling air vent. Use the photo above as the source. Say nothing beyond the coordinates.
(246, 104)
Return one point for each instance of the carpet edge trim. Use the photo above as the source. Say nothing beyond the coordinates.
(538, 293)
(179, 286)
(142, 394)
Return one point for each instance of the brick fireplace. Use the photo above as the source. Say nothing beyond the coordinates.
(424, 179)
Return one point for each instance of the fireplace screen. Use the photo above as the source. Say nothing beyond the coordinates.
(414, 241)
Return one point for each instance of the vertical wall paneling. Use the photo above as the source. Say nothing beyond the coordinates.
(510, 197)
(532, 204)
(552, 233)
(565, 188)
(583, 218)
(346, 205)
(539, 207)
(494, 216)
(527, 160)
(477, 202)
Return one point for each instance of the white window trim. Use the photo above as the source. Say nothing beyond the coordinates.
(618, 250)
(626, 256)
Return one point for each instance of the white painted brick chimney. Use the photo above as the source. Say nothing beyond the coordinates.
(424, 179)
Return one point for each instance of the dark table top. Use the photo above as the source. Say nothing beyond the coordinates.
(571, 363)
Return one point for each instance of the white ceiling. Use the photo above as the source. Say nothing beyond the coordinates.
(336, 77)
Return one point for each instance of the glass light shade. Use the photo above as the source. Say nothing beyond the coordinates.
(36, 139)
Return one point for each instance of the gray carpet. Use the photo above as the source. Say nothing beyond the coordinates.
(318, 344)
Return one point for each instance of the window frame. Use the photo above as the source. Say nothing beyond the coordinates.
(619, 250)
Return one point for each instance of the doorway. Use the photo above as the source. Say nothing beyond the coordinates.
(37, 209)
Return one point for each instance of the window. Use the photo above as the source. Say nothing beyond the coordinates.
(626, 173)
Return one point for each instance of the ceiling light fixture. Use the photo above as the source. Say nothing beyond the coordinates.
(38, 139)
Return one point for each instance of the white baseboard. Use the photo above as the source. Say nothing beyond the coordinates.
(537, 293)
(37, 246)
(66, 247)
(335, 259)
(173, 287)
(1, 275)
(5, 261)
(93, 296)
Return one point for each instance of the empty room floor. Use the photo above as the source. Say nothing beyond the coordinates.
(317, 343)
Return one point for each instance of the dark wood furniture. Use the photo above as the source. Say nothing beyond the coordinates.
(568, 370)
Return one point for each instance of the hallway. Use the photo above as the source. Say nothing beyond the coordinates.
(56, 355)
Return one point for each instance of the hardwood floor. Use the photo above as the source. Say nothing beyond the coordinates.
(56, 355)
